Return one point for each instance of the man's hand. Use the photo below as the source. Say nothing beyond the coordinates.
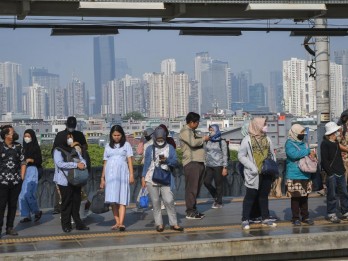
(224, 172)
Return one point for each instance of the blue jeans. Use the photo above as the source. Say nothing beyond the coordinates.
(336, 185)
(27, 197)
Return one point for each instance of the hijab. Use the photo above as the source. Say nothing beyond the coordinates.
(295, 130)
(32, 147)
(61, 142)
(217, 133)
(255, 128)
(159, 133)
(169, 140)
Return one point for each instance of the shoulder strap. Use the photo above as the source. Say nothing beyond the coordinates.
(153, 153)
(335, 155)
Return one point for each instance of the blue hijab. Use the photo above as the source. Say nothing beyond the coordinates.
(216, 135)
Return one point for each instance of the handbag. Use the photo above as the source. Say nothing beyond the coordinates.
(98, 205)
(77, 177)
(160, 176)
(269, 166)
(306, 164)
(144, 199)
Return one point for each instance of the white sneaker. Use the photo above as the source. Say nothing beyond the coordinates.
(163, 207)
(245, 225)
(216, 205)
(268, 223)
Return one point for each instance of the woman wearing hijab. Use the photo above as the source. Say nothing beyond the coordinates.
(169, 140)
(254, 149)
(27, 198)
(165, 157)
(298, 182)
(215, 164)
(71, 195)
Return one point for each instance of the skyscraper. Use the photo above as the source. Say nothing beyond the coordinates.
(77, 98)
(336, 90)
(299, 88)
(168, 66)
(11, 78)
(104, 67)
(341, 57)
(257, 95)
(37, 101)
(275, 92)
(122, 68)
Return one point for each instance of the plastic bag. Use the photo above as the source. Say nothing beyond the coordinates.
(144, 199)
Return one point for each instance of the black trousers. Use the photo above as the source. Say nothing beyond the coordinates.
(299, 205)
(9, 197)
(214, 173)
(194, 174)
(71, 201)
(261, 195)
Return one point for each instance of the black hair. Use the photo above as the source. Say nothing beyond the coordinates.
(192, 116)
(5, 129)
(119, 129)
(71, 122)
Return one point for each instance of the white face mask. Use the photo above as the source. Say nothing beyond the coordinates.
(27, 139)
(264, 129)
(70, 141)
(160, 143)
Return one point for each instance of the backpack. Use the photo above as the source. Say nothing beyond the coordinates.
(228, 150)
(76, 177)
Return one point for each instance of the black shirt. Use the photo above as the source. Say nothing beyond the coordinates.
(331, 158)
(11, 159)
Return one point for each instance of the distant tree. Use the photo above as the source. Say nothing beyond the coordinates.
(47, 160)
(135, 115)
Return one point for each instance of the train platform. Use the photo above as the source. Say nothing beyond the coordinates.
(218, 236)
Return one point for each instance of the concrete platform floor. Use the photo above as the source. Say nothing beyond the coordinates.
(218, 236)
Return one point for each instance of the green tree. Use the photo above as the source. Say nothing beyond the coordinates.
(135, 115)
(47, 160)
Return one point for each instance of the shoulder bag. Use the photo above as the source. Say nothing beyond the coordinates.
(160, 176)
(306, 164)
(269, 166)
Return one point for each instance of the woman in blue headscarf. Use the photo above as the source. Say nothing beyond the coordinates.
(216, 161)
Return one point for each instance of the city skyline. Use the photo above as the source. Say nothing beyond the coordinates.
(73, 56)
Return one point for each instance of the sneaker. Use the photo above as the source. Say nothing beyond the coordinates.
(268, 223)
(345, 217)
(163, 207)
(245, 225)
(273, 219)
(296, 222)
(255, 220)
(333, 218)
(308, 221)
(216, 205)
(194, 215)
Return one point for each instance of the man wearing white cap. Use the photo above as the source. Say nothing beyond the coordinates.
(332, 163)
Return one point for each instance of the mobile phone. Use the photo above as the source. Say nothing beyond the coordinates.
(161, 156)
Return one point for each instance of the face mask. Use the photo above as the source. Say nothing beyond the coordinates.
(71, 129)
(70, 141)
(264, 129)
(337, 134)
(27, 139)
(211, 133)
(300, 136)
(15, 136)
(160, 143)
(147, 138)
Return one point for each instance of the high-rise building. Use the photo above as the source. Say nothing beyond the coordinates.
(275, 92)
(257, 95)
(104, 67)
(214, 83)
(168, 66)
(178, 100)
(336, 90)
(158, 95)
(61, 103)
(193, 96)
(122, 68)
(240, 89)
(341, 57)
(299, 88)
(50, 81)
(37, 101)
(77, 98)
(11, 78)
(4, 99)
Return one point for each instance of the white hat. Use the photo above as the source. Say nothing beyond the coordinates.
(331, 127)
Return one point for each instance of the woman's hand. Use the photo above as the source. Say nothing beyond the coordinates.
(29, 160)
(224, 172)
(81, 165)
(143, 183)
(102, 182)
(131, 179)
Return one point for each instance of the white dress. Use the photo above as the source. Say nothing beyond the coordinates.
(117, 173)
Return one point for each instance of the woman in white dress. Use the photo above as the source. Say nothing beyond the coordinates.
(117, 175)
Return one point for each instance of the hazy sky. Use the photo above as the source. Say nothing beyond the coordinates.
(261, 52)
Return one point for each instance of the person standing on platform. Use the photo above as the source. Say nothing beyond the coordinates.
(298, 183)
(216, 164)
(336, 183)
(254, 149)
(117, 175)
(27, 198)
(193, 161)
(12, 174)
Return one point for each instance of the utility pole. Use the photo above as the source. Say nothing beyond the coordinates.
(322, 62)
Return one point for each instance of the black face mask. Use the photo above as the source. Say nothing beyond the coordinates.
(147, 138)
(300, 136)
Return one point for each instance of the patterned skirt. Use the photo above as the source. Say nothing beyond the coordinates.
(299, 187)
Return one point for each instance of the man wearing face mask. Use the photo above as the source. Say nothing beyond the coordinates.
(61, 138)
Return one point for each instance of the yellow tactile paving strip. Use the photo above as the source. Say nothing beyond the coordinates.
(208, 229)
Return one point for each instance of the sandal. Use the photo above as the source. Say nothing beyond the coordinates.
(160, 228)
(122, 228)
(115, 227)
